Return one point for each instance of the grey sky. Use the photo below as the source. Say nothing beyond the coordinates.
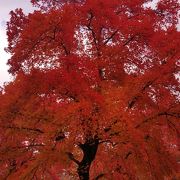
(5, 7)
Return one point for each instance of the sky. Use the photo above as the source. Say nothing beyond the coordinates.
(5, 7)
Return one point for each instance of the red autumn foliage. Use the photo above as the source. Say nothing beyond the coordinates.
(95, 93)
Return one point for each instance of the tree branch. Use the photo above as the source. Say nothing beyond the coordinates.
(109, 38)
(24, 128)
(71, 157)
(129, 40)
(93, 33)
(135, 98)
(176, 115)
(99, 176)
(65, 49)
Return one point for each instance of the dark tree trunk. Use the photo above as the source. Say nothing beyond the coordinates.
(89, 149)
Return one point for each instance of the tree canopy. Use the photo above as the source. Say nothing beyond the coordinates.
(95, 93)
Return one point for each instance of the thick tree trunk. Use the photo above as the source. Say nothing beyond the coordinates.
(83, 172)
(89, 149)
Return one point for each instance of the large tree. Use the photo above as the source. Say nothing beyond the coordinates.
(95, 93)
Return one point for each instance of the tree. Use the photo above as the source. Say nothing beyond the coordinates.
(95, 93)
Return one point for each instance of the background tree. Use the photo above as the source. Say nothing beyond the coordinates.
(95, 91)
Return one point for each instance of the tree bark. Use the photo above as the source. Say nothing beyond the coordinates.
(89, 149)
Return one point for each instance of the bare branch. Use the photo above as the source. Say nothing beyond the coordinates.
(176, 115)
(24, 128)
(99, 176)
(65, 48)
(71, 157)
(135, 98)
(129, 40)
(128, 154)
(109, 38)
(93, 33)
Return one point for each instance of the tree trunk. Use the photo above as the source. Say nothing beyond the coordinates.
(89, 149)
